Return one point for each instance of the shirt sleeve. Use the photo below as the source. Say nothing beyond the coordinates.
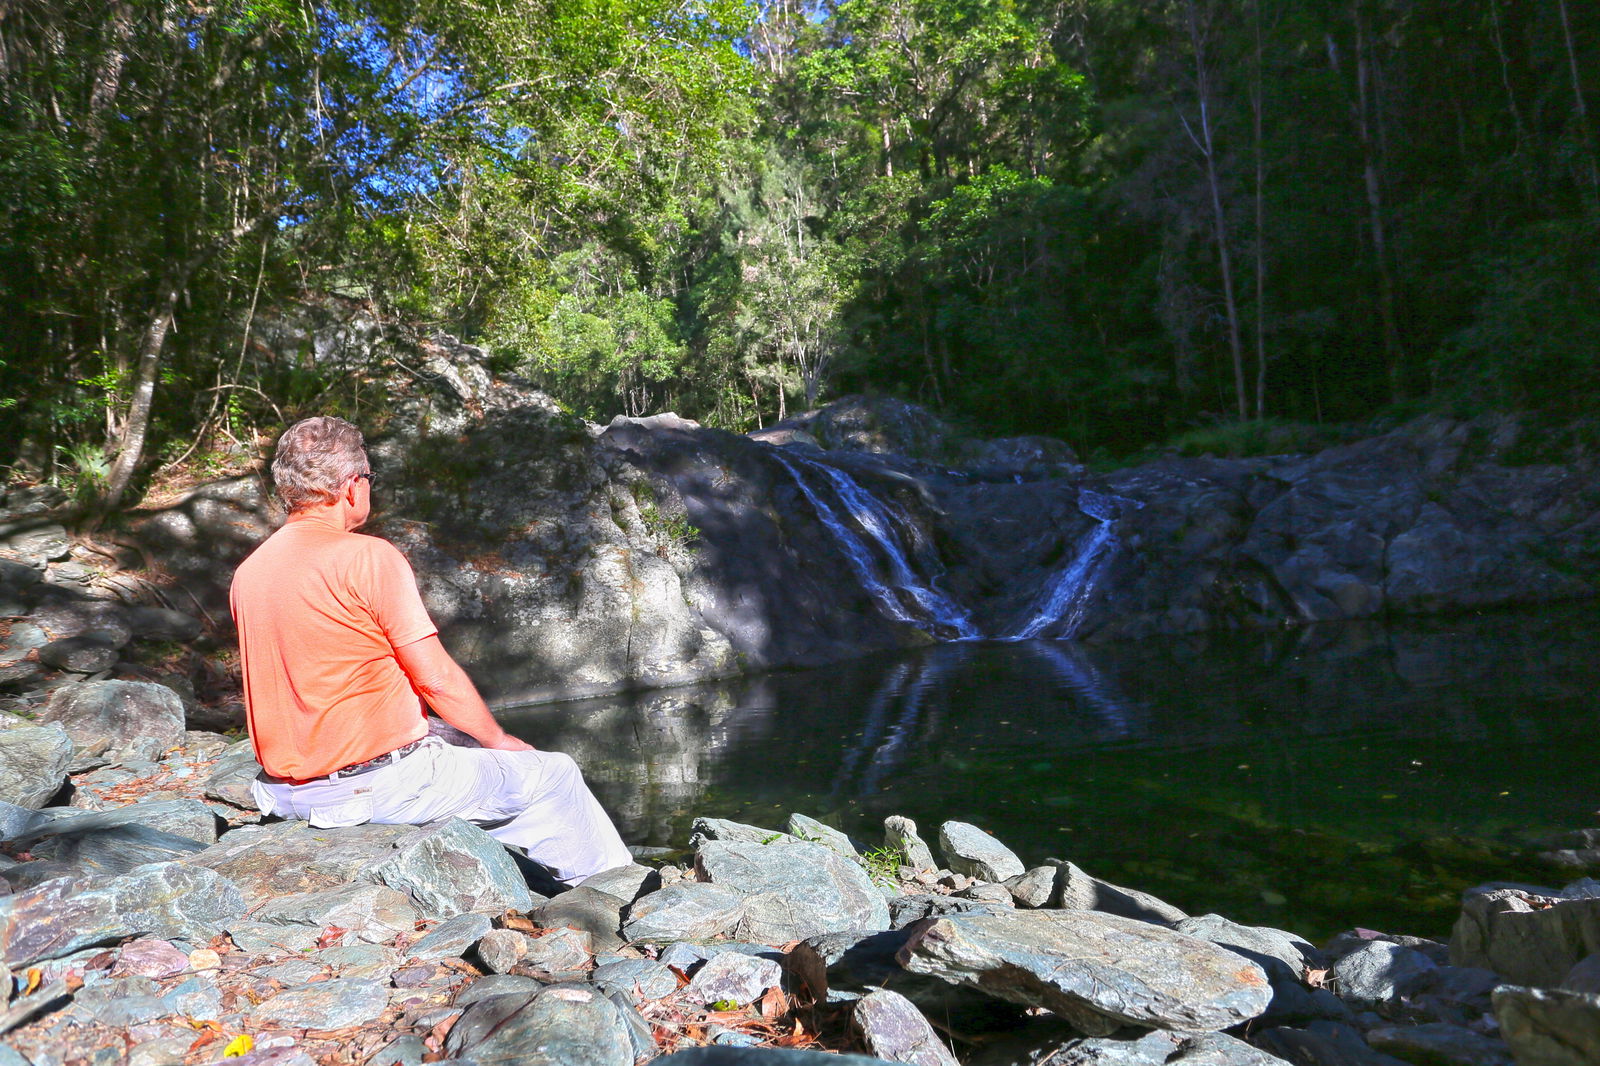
(396, 604)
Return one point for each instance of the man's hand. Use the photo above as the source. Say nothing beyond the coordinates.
(511, 743)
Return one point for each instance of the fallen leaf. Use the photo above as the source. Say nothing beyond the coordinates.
(331, 936)
(35, 978)
(518, 923)
(774, 1003)
(1316, 978)
(239, 1046)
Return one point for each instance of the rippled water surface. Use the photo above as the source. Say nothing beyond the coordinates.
(1314, 779)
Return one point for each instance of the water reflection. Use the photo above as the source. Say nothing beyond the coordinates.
(1233, 749)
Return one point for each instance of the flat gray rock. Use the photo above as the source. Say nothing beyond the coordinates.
(87, 653)
(638, 979)
(451, 938)
(1080, 891)
(900, 833)
(793, 890)
(731, 832)
(1526, 938)
(325, 1005)
(446, 868)
(33, 764)
(1378, 974)
(969, 850)
(1033, 888)
(1161, 1047)
(732, 977)
(802, 827)
(230, 777)
(597, 913)
(908, 909)
(452, 867)
(560, 1025)
(1098, 971)
(562, 954)
(687, 910)
(117, 720)
(369, 912)
(169, 900)
(1323, 1043)
(1549, 1027)
(891, 1027)
(500, 950)
(625, 882)
(1440, 1044)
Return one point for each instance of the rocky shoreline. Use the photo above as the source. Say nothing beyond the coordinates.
(152, 918)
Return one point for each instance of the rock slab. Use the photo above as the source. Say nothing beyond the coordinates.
(1098, 971)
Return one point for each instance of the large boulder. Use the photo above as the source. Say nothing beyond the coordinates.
(33, 764)
(1549, 1027)
(969, 850)
(559, 1025)
(167, 900)
(793, 890)
(1097, 971)
(446, 867)
(1526, 938)
(117, 721)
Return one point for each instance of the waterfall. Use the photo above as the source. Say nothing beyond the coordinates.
(893, 582)
(1060, 604)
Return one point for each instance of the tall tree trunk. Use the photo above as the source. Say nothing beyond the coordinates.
(1364, 112)
(1518, 129)
(1219, 219)
(1257, 106)
(152, 344)
(1591, 173)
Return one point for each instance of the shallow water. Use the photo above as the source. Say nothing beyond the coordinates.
(1316, 779)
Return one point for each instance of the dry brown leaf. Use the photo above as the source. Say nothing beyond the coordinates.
(774, 1003)
(331, 936)
(1316, 978)
(520, 924)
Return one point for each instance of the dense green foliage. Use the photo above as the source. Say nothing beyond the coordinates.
(1110, 221)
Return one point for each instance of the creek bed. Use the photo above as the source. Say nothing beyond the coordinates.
(1313, 779)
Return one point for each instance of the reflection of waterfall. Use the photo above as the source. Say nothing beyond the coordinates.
(1073, 668)
(1060, 604)
(891, 582)
(899, 709)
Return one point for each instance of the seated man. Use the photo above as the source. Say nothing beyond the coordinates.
(341, 663)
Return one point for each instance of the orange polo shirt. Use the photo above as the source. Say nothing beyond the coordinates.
(320, 612)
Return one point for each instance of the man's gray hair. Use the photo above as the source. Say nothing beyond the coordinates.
(316, 458)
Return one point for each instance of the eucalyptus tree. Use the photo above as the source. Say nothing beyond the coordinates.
(156, 156)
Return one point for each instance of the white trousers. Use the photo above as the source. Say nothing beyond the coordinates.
(534, 799)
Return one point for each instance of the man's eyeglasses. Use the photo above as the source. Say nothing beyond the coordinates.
(370, 478)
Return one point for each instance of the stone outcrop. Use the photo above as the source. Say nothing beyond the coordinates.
(427, 941)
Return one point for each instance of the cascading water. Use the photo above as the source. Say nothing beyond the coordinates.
(899, 582)
(1060, 604)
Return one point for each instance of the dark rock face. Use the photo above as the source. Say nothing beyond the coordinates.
(564, 559)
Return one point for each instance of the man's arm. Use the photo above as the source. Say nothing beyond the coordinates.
(451, 693)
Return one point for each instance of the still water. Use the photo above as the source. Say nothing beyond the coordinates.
(1315, 779)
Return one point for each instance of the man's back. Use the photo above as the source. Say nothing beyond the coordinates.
(320, 612)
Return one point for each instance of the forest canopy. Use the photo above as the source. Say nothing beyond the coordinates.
(1102, 220)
